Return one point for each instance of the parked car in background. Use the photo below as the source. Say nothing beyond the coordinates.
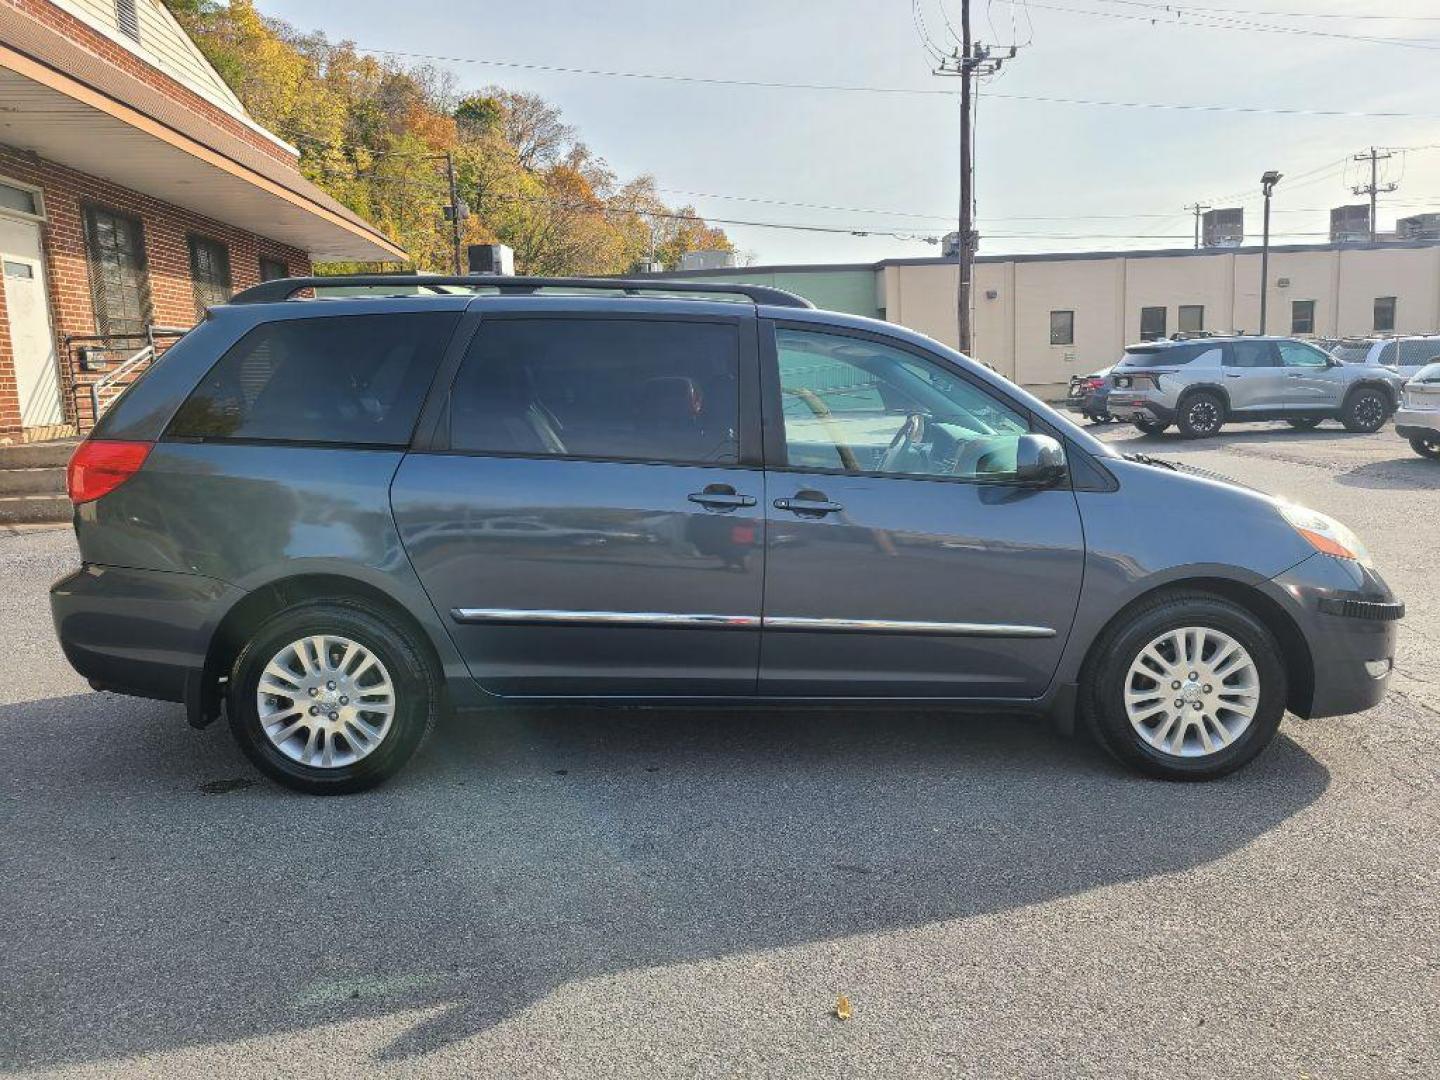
(1403, 355)
(1087, 396)
(333, 519)
(1200, 385)
(1418, 418)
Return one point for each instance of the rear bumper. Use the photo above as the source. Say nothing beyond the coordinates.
(1125, 407)
(1348, 616)
(1417, 423)
(140, 632)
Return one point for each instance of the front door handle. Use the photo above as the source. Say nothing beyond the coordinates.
(803, 504)
(721, 497)
(1295, 375)
(1233, 375)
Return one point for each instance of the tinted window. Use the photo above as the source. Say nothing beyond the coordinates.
(341, 379)
(1419, 351)
(1191, 318)
(1386, 354)
(1171, 356)
(1152, 323)
(861, 406)
(1252, 354)
(603, 388)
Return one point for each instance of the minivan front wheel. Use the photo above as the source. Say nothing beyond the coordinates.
(1201, 415)
(330, 697)
(1188, 687)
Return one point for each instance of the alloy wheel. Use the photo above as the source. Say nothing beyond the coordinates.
(325, 701)
(1203, 416)
(1368, 411)
(1192, 692)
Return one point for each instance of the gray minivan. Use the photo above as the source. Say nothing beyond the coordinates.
(333, 519)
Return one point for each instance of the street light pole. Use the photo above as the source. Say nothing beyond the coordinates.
(1267, 185)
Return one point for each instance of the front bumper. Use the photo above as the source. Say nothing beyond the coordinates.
(1417, 423)
(141, 632)
(1348, 617)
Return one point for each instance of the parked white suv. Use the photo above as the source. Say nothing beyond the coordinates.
(1402, 355)
(1418, 418)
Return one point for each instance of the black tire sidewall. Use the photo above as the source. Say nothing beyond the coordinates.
(1303, 423)
(1182, 415)
(1105, 686)
(1150, 427)
(1349, 419)
(416, 692)
(1426, 448)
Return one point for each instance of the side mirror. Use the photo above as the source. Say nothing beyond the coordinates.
(1039, 459)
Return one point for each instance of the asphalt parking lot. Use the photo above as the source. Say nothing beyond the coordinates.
(623, 893)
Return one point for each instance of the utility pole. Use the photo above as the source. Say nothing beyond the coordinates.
(1373, 188)
(970, 61)
(1198, 210)
(454, 212)
(1267, 187)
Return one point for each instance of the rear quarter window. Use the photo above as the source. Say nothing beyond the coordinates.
(356, 379)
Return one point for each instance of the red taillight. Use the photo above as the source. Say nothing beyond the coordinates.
(99, 466)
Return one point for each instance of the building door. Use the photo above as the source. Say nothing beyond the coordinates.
(37, 376)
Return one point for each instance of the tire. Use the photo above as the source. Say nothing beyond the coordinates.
(1304, 423)
(1201, 415)
(1112, 671)
(1427, 446)
(364, 746)
(1365, 410)
(1151, 427)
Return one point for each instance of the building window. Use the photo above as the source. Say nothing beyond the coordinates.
(24, 201)
(210, 271)
(271, 269)
(1302, 316)
(119, 284)
(1191, 318)
(1152, 323)
(1384, 314)
(127, 19)
(1062, 328)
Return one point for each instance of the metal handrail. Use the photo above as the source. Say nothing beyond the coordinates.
(110, 378)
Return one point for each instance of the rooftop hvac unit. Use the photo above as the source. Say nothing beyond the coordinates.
(1418, 227)
(1223, 228)
(1350, 224)
(492, 259)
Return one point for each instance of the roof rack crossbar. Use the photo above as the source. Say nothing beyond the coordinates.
(285, 288)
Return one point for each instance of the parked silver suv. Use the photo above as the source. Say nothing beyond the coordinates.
(1200, 384)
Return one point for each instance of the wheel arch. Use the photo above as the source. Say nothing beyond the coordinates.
(1299, 665)
(1201, 388)
(248, 613)
(1391, 394)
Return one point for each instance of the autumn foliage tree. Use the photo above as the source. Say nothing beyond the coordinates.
(372, 133)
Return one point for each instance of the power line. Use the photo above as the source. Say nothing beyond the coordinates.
(1275, 110)
(1279, 14)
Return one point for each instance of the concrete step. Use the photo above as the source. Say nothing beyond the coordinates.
(41, 480)
(37, 455)
(33, 509)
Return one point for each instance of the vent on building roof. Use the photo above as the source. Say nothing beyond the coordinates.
(127, 18)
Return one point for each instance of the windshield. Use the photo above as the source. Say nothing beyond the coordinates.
(1430, 373)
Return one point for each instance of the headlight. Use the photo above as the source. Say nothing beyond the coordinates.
(1325, 534)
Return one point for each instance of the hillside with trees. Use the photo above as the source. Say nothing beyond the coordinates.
(373, 133)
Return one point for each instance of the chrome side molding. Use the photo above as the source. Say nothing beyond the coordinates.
(660, 620)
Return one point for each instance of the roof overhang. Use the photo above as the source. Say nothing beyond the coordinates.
(68, 121)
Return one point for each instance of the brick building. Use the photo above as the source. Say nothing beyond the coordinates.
(134, 191)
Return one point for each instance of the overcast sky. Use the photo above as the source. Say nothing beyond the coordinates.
(1050, 176)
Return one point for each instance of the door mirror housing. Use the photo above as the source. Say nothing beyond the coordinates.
(1039, 460)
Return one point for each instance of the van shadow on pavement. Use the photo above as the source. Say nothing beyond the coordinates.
(155, 900)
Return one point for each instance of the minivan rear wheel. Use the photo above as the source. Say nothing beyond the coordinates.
(1201, 415)
(1189, 686)
(331, 697)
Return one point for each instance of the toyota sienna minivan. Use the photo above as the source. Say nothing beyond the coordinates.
(331, 520)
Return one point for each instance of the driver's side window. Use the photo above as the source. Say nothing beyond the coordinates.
(857, 405)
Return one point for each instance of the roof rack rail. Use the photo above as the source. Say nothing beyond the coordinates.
(285, 288)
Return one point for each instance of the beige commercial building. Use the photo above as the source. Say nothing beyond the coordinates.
(1038, 319)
